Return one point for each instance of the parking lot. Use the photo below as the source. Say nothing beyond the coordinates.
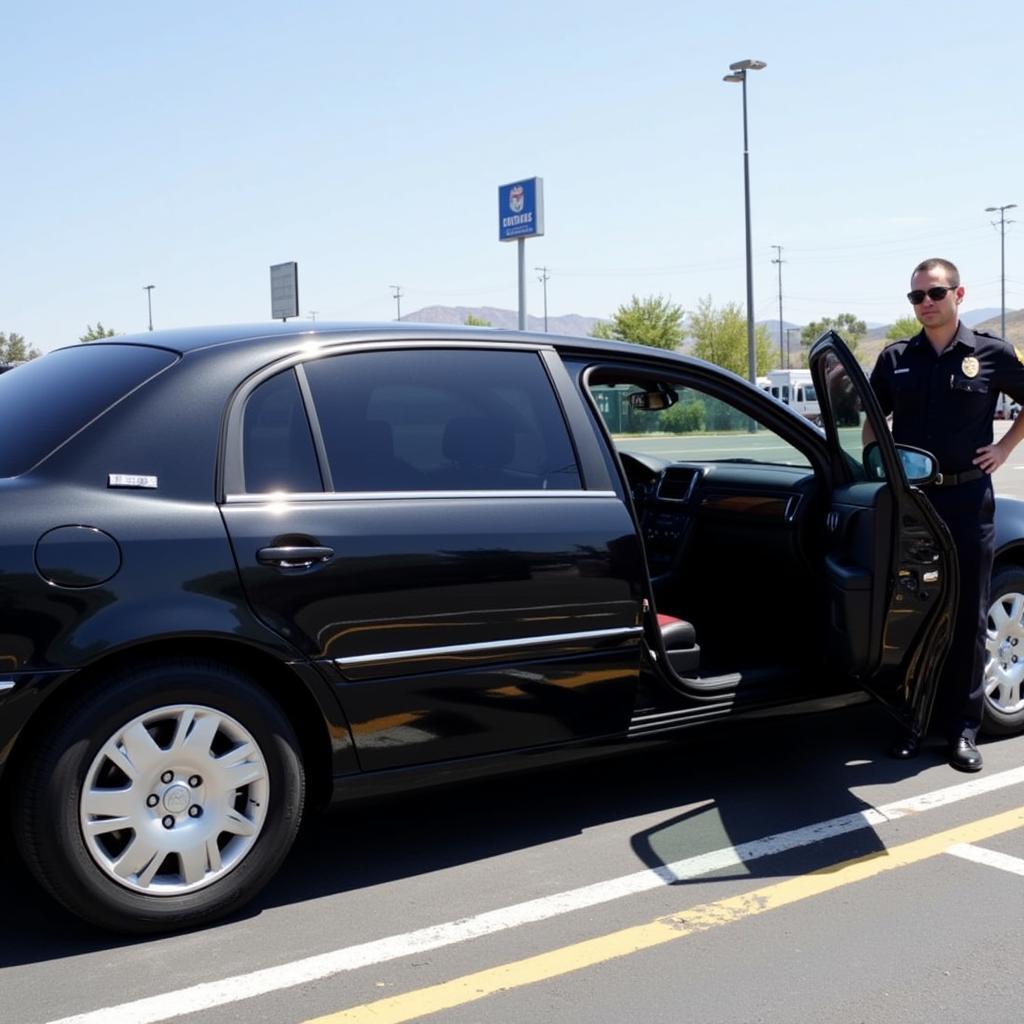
(691, 878)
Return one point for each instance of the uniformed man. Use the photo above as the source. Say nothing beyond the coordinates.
(941, 387)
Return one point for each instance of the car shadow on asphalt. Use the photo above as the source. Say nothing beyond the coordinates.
(738, 783)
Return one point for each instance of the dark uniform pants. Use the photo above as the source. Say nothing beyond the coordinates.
(967, 509)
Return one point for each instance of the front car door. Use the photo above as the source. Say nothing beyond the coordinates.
(420, 519)
(891, 572)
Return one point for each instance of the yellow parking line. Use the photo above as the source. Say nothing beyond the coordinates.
(556, 962)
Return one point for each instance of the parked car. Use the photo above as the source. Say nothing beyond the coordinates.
(249, 571)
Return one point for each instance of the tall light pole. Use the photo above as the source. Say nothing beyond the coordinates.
(543, 277)
(397, 289)
(148, 289)
(779, 260)
(739, 74)
(1001, 210)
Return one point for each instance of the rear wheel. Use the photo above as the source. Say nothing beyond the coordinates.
(163, 800)
(1004, 662)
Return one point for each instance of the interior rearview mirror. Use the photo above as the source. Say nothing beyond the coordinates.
(653, 401)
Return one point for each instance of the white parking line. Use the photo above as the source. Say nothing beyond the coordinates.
(990, 858)
(246, 986)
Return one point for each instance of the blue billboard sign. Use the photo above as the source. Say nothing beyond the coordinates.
(521, 209)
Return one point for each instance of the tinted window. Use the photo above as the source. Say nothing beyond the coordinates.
(277, 444)
(444, 419)
(45, 401)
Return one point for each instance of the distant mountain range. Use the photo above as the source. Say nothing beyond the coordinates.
(573, 325)
(570, 324)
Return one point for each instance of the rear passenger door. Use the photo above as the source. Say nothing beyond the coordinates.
(419, 519)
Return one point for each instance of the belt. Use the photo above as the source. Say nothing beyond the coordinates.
(953, 479)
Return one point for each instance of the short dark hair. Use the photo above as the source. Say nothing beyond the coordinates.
(952, 274)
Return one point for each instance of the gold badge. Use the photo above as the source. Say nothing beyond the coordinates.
(1020, 355)
(970, 366)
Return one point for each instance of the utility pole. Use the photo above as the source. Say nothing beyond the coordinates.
(543, 278)
(312, 314)
(1001, 210)
(148, 289)
(397, 289)
(779, 260)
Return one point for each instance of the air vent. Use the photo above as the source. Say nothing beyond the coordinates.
(677, 484)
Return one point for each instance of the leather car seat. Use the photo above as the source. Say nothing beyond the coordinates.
(680, 641)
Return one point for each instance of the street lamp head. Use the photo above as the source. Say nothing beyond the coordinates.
(996, 209)
(748, 65)
(734, 78)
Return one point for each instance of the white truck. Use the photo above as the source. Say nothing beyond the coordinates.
(796, 389)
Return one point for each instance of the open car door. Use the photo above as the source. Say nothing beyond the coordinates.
(890, 563)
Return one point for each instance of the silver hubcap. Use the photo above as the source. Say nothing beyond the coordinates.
(174, 800)
(1004, 664)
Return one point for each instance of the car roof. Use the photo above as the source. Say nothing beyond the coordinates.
(273, 339)
(273, 334)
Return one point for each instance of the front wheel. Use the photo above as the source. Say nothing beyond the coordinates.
(1004, 661)
(163, 799)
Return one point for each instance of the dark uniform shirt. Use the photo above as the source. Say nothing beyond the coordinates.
(945, 403)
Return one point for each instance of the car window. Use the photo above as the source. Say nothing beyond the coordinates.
(843, 408)
(45, 401)
(441, 419)
(277, 445)
(696, 428)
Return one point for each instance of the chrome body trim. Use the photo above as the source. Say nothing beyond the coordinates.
(284, 498)
(620, 633)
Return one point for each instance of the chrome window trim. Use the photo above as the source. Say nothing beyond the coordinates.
(284, 496)
(621, 633)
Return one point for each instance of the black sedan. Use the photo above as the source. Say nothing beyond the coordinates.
(248, 571)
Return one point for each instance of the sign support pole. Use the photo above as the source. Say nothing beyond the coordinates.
(521, 246)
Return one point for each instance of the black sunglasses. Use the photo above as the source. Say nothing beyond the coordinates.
(936, 294)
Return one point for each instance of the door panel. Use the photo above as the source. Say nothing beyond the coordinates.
(892, 574)
(456, 625)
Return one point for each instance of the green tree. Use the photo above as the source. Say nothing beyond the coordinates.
(721, 338)
(95, 333)
(477, 321)
(14, 348)
(905, 327)
(654, 321)
(846, 325)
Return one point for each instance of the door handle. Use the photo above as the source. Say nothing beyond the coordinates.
(294, 557)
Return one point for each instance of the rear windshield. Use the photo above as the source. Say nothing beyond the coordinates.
(45, 401)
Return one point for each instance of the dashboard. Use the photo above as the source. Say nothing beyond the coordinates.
(744, 503)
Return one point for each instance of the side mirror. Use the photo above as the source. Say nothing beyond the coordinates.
(653, 401)
(920, 466)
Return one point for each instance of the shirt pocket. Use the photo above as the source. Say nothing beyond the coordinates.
(969, 393)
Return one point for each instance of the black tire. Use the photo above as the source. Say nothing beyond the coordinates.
(171, 722)
(1004, 692)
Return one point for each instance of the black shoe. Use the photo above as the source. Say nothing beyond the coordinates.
(906, 747)
(964, 755)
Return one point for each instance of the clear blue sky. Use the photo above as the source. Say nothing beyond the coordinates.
(191, 145)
